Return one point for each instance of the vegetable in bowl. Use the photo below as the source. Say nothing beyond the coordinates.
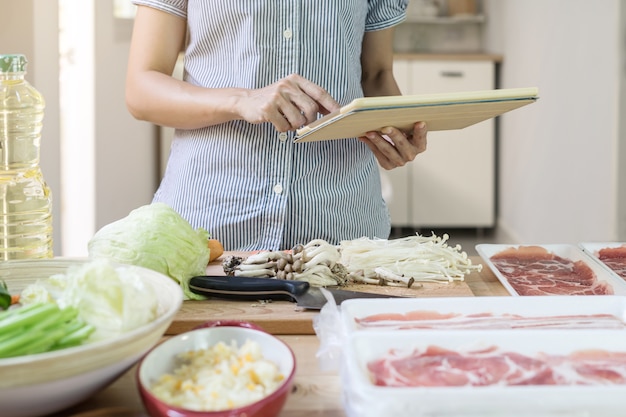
(44, 383)
(5, 296)
(155, 236)
(88, 302)
(40, 327)
(113, 299)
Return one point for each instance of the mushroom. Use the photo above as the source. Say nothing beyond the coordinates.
(318, 275)
(315, 262)
(260, 273)
(358, 276)
(388, 275)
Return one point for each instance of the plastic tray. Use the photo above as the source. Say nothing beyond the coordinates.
(572, 252)
(364, 399)
(592, 249)
(473, 313)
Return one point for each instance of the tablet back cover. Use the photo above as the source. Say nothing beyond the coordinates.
(445, 111)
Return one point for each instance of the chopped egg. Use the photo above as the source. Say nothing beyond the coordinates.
(221, 377)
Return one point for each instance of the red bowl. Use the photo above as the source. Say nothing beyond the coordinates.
(161, 360)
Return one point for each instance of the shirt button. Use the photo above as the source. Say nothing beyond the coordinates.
(282, 136)
(287, 33)
(278, 188)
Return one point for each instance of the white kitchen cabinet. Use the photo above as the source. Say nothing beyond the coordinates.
(452, 184)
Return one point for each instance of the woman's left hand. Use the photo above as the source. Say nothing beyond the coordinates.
(394, 148)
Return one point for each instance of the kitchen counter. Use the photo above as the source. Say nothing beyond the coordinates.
(316, 392)
(497, 58)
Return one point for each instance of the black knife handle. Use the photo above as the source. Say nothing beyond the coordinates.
(244, 288)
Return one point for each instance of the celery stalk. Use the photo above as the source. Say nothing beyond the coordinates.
(74, 338)
(30, 334)
(39, 328)
(26, 316)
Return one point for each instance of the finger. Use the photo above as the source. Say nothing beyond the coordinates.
(325, 103)
(308, 98)
(301, 104)
(284, 113)
(385, 150)
(293, 116)
(308, 109)
(279, 121)
(402, 149)
(408, 145)
(298, 108)
(419, 138)
(383, 161)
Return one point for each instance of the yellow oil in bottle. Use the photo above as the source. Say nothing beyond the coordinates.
(25, 198)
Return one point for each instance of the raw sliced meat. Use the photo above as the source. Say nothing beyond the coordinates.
(533, 270)
(615, 259)
(423, 319)
(435, 366)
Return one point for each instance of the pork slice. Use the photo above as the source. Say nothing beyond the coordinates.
(565, 288)
(435, 366)
(615, 259)
(617, 265)
(590, 367)
(524, 252)
(416, 315)
(610, 253)
(530, 272)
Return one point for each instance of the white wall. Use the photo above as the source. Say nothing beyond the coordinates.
(621, 139)
(557, 159)
(30, 27)
(126, 171)
(127, 166)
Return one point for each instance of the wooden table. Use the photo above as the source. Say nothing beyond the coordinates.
(316, 392)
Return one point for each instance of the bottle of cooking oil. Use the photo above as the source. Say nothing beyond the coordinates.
(25, 199)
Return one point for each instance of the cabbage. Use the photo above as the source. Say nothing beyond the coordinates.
(156, 237)
(113, 299)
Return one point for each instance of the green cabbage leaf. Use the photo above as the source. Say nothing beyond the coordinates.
(112, 299)
(155, 236)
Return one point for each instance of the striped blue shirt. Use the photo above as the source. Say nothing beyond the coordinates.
(250, 186)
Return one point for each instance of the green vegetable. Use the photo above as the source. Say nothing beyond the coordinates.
(39, 328)
(5, 297)
(156, 237)
(112, 298)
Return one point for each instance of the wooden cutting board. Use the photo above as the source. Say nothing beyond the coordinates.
(284, 317)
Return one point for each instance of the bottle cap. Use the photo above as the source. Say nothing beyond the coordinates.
(12, 63)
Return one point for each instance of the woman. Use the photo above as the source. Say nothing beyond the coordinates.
(256, 70)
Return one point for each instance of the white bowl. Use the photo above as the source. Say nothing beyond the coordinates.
(41, 384)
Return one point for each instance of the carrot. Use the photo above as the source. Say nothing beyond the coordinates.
(7, 299)
(215, 249)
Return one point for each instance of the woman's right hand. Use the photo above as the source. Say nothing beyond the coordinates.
(153, 95)
(288, 104)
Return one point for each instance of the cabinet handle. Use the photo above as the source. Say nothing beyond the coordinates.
(452, 74)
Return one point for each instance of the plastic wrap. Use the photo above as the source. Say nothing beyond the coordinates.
(328, 327)
(348, 347)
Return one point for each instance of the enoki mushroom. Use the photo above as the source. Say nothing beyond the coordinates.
(399, 262)
(420, 258)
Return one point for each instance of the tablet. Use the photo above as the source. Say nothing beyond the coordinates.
(444, 111)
